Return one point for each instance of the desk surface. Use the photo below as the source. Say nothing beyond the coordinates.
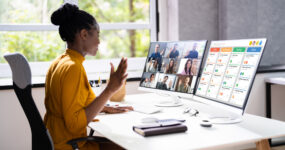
(118, 128)
(276, 80)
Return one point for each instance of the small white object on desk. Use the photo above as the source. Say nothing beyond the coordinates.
(149, 120)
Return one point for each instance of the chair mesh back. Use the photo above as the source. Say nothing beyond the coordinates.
(22, 86)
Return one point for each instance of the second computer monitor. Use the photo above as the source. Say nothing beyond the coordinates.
(229, 71)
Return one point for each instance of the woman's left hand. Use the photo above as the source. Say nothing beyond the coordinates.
(116, 109)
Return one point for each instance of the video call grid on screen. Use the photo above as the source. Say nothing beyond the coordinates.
(173, 66)
(229, 70)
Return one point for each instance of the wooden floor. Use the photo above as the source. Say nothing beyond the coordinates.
(272, 148)
(278, 148)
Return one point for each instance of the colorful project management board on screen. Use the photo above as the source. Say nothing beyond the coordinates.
(229, 70)
(173, 66)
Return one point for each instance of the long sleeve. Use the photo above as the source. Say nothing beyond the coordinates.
(72, 105)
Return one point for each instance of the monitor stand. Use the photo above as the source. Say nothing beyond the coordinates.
(214, 114)
(174, 101)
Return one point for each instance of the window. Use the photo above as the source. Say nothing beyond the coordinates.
(127, 27)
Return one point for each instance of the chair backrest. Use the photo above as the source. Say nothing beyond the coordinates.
(21, 74)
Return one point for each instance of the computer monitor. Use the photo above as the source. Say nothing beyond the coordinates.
(228, 74)
(172, 68)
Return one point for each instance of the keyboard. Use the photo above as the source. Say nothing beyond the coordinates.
(146, 109)
(170, 120)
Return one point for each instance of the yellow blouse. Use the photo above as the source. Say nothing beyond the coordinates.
(67, 93)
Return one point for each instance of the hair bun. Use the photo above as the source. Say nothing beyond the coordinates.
(64, 14)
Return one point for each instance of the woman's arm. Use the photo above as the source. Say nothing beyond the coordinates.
(116, 81)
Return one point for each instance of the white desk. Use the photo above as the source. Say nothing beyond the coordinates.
(118, 128)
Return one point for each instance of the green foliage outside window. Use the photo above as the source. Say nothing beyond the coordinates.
(47, 45)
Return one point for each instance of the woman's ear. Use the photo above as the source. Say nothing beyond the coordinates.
(83, 34)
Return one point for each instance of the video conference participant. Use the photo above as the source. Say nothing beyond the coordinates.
(156, 55)
(195, 65)
(170, 67)
(187, 70)
(152, 66)
(69, 99)
(149, 82)
(192, 54)
(162, 85)
(173, 53)
(183, 84)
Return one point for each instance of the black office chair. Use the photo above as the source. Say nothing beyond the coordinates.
(41, 139)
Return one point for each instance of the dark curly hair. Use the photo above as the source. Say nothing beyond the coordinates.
(71, 20)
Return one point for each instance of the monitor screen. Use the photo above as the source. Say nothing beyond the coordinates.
(173, 66)
(229, 71)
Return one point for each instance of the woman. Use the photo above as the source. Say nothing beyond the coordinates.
(187, 68)
(70, 102)
(153, 66)
(151, 82)
(170, 68)
(183, 87)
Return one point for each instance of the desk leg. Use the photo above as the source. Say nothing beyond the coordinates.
(268, 103)
(262, 145)
(268, 100)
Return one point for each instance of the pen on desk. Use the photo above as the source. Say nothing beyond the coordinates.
(95, 120)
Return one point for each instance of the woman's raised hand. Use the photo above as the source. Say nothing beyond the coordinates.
(118, 77)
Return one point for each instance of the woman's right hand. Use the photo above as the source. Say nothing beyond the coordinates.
(117, 77)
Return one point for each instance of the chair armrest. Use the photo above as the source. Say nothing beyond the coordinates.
(74, 142)
(91, 132)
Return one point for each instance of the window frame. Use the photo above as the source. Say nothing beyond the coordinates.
(136, 70)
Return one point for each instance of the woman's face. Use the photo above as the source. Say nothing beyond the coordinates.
(152, 78)
(155, 63)
(92, 41)
(171, 63)
(188, 64)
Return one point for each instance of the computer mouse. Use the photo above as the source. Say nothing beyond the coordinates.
(149, 120)
(206, 123)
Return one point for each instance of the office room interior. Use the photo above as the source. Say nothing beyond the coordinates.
(127, 27)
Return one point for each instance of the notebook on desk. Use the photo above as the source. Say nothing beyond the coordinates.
(159, 128)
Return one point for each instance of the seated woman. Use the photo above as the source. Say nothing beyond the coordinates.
(69, 100)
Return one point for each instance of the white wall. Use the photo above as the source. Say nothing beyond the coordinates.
(15, 131)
